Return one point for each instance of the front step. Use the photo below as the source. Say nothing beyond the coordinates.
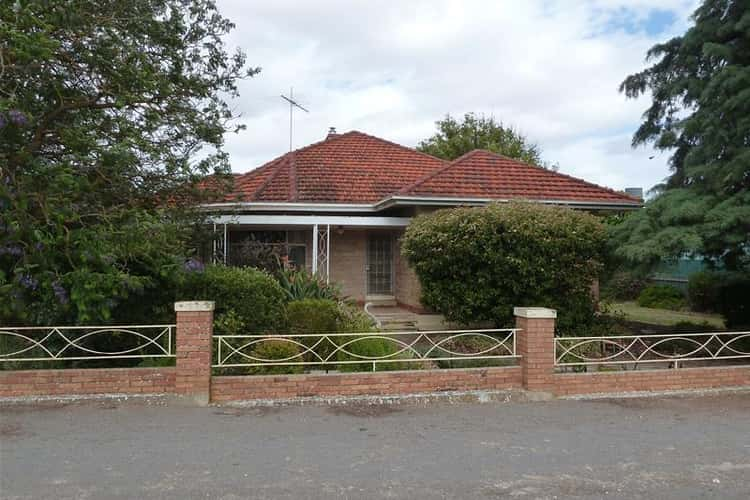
(397, 325)
(381, 300)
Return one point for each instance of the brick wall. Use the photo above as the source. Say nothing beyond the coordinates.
(21, 383)
(347, 264)
(408, 288)
(231, 388)
(567, 384)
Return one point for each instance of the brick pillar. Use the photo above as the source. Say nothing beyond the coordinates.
(195, 327)
(536, 346)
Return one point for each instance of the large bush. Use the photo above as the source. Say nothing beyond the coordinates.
(734, 300)
(478, 263)
(661, 297)
(248, 299)
(703, 291)
(623, 285)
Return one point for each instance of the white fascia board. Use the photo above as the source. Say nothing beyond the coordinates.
(311, 220)
(447, 201)
(289, 207)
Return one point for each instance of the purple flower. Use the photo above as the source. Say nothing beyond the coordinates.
(14, 250)
(39, 246)
(27, 281)
(60, 292)
(3, 121)
(193, 266)
(17, 117)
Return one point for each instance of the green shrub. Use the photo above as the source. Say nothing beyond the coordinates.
(623, 285)
(372, 348)
(692, 327)
(300, 285)
(314, 316)
(476, 264)
(703, 291)
(278, 350)
(352, 319)
(254, 297)
(734, 300)
(661, 297)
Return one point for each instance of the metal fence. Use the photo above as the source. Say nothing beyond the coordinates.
(634, 349)
(333, 349)
(53, 343)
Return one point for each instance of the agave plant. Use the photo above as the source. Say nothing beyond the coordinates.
(300, 284)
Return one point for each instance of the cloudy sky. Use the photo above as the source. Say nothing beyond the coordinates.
(550, 68)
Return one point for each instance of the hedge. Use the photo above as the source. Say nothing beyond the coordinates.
(476, 264)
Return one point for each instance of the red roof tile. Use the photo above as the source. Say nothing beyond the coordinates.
(346, 168)
(355, 168)
(482, 174)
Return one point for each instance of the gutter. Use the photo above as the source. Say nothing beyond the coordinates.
(398, 201)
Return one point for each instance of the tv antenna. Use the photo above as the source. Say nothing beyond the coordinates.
(292, 104)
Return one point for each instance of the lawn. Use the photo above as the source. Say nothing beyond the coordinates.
(633, 312)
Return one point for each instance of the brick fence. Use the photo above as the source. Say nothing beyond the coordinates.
(191, 377)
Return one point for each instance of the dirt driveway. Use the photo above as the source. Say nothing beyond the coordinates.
(680, 447)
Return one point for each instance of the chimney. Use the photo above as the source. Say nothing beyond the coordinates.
(331, 133)
(635, 192)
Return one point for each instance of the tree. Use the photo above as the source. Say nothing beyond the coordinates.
(699, 85)
(476, 264)
(454, 139)
(104, 106)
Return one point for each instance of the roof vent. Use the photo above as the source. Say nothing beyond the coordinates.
(331, 132)
(635, 192)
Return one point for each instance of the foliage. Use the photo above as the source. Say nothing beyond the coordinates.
(699, 84)
(258, 254)
(454, 139)
(372, 348)
(623, 285)
(300, 284)
(229, 323)
(661, 297)
(692, 327)
(312, 316)
(243, 296)
(352, 319)
(277, 350)
(103, 107)
(733, 301)
(476, 264)
(703, 291)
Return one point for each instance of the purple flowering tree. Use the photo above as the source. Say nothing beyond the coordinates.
(103, 109)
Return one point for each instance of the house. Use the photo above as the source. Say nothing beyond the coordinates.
(339, 206)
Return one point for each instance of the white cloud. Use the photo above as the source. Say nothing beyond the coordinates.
(549, 67)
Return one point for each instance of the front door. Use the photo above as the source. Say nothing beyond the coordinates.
(379, 264)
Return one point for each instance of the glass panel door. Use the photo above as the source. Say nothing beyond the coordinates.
(379, 264)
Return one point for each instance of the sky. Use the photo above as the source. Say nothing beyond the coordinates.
(549, 68)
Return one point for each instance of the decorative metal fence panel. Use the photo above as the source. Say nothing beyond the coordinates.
(54, 343)
(630, 349)
(331, 349)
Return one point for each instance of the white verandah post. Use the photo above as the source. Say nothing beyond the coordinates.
(315, 249)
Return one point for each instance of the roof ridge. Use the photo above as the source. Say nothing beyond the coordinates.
(400, 146)
(436, 172)
(259, 190)
(560, 174)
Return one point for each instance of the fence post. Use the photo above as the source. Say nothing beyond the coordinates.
(536, 346)
(195, 328)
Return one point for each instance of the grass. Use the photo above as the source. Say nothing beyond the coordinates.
(633, 312)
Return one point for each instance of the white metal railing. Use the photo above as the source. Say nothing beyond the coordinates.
(629, 349)
(330, 349)
(53, 343)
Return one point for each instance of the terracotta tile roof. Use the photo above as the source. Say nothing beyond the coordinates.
(346, 168)
(356, 168)
(482, 174)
